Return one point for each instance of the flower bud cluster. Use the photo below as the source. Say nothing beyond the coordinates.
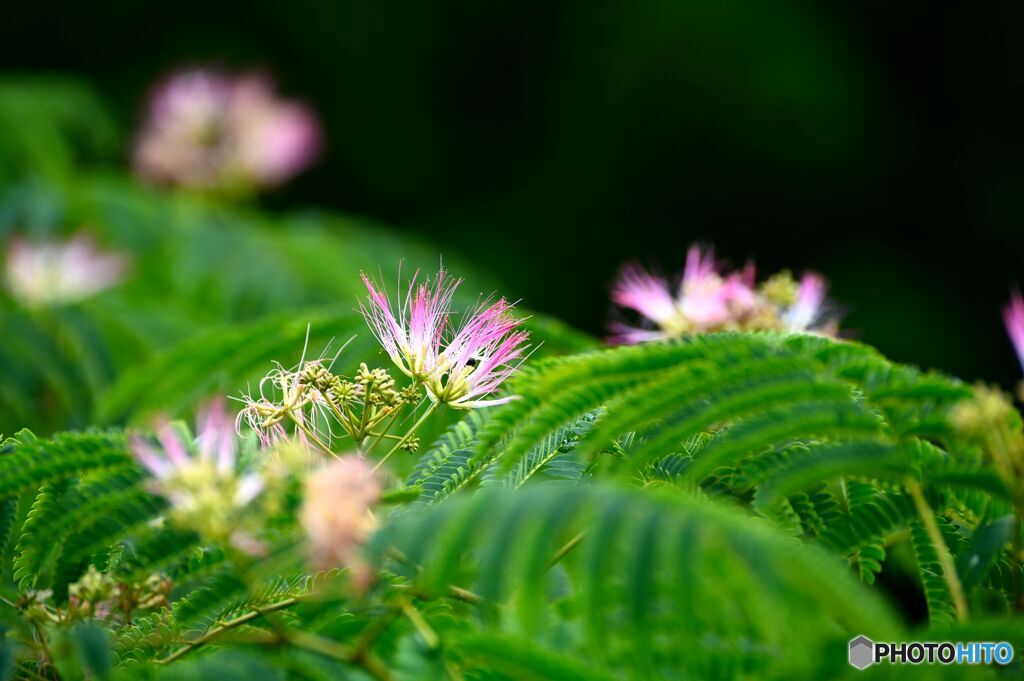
(323, 406)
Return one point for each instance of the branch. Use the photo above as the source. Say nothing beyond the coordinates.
(566, 549)
(230, 624)
(956, 589)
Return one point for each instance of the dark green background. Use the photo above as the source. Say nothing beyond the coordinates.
(877, 142)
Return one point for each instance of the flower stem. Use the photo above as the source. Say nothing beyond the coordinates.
(338, 414)
(405, 438)
(956, 590)
(329, 648)
(566, 549)
(422, 626)
(383, 433)
(319, 644)
(1002, 452)
(230, 624)
(27, 671)
(385, 436)
(312, 436)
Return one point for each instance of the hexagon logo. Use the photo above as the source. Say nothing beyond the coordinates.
(862, 652)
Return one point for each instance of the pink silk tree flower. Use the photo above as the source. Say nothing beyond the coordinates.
(650, 295)
(198, 476)
(709, 300)
(336, 513)
(700, 294)
(277, 139)
(706, 299)
(638, 290)
(58, 272)
(213, 448)
(806, 310)
(217, 132)
(1013, 318)
(457, 369)
(485, 351)
(282, 400)
(412, 333)
(187, 138)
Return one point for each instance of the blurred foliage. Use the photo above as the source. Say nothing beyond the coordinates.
(199, 269)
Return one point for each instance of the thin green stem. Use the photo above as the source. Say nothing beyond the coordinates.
(28, 672)
(1002, 455)
(366, 409)
(319, 644)
(345, 423)
(409, 433)
(213, 633)
(566, 549)
(422, 626)
(44, 649)
(956, 590)
(466, 595)
(456, 592)
(312, 436)
(380, 438)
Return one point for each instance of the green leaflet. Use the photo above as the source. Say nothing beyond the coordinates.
(632, 579)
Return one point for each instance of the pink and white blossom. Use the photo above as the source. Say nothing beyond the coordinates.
(198, 476)
(711, 300)
(213, 448)
(215, 131)
(57, 272)
(486, 350)
(625, 334)
(645, 293)
(336, 513)
(411, 332)
(460, 367)
(708, 300)
(276, 138)
(806, 310)
(1013, 318)
(258, 414)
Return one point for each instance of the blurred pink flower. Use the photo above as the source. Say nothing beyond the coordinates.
(56, 272)
(199, 477)
(645, 293)
(710, 300)
(277, 139)
(336, 511)
(806, 310)
(706, 299)
(1013, 318)
(215, 443)
(217, 132)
